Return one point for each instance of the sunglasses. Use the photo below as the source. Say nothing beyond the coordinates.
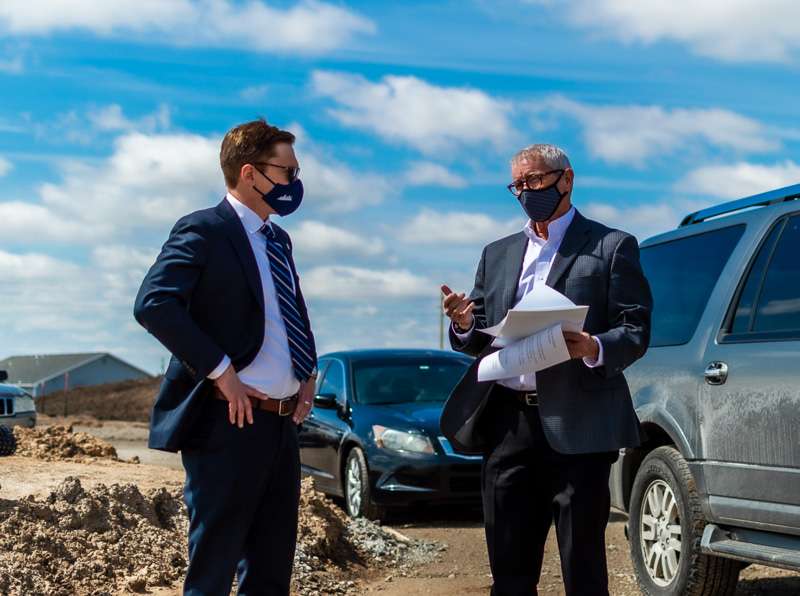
(291, 171)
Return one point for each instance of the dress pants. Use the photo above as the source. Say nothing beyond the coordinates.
(526, 486)
(242, 493)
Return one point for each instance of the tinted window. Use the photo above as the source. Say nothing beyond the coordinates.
(322, 366)
(743, 316)
(779, 301)
(682, 274)
(333, 383)
(406, 380)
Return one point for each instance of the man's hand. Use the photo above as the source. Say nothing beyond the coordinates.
(458, 308)
(238, 395)
(581, 345)
(305, 401)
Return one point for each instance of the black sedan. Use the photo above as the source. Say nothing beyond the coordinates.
(373, 436)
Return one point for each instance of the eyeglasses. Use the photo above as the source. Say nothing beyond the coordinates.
(291, 171)
(531, 181)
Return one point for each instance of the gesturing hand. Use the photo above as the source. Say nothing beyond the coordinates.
(458, 308)
(238, 395)
(581, 345)
(305, 401)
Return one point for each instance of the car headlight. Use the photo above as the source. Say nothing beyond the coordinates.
(24, 404)
(400, 440)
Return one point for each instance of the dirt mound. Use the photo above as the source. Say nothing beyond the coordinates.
(113, 538)
(127, 400)
(97, 541)
(52, 443)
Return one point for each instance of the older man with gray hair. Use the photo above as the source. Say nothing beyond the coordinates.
(549, 438)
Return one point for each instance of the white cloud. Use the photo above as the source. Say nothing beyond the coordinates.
(112, 118)
(147, 183)
(740, 179)
(315, 238)
(731, 30)
(454, 227)
(410, 111)
(254, 93)
(5, 166)
(423, 173)
(310, 26)
(341, 282)
(642, 221)
(635, 133)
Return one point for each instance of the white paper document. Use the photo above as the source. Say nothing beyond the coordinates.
(537, 352)
(538, 310)
(531, 335)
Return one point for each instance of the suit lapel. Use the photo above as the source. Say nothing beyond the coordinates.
(576, 237)
(238, 238)
(515, 254)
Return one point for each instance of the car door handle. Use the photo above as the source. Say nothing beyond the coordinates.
(716, 373)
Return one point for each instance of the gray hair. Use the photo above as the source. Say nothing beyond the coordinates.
(553, 156)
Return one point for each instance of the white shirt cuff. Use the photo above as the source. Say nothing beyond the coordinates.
(221, 368)
(464, 336)
(595, 363)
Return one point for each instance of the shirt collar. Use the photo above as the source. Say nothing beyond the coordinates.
(556, 230)
(250, 219)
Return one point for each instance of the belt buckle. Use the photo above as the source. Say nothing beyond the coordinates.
(531, 399)
(280, 407)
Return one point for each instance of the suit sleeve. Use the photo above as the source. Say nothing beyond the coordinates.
(630, 305)
(162, 304)
(474, 343)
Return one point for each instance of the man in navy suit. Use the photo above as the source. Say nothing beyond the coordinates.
(224, 298)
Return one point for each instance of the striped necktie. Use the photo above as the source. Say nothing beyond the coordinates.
(297, 331)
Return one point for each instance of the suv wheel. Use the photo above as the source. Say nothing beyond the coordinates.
(8, 442)
(357, 493)
(666, 525)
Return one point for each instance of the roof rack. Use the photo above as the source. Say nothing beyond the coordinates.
(780, 195)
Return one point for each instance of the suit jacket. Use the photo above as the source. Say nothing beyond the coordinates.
(583, 410)
(203, 299)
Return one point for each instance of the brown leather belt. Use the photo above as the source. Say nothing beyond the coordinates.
(281, 407)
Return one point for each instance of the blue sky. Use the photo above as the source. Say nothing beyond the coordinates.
(406, 116)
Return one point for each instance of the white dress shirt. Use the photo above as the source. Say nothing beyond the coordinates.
(271, 371)
(536, 265)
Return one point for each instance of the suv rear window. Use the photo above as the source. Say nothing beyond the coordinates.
(682, 274)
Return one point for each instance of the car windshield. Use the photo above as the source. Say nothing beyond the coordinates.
(406, 380)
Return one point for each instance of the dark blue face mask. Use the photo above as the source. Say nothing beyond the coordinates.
(283, 198)
(542, 203)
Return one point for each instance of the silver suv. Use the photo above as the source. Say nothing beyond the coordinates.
(716, 484)
(16, 406)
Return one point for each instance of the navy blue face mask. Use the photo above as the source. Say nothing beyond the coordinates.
(283, 198)
(542, 203)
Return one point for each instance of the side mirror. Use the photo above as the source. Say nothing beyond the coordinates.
(3, 375)
(325, 400)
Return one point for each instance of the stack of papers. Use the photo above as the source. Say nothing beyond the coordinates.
(531, 335)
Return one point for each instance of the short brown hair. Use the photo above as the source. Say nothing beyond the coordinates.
(249, 143)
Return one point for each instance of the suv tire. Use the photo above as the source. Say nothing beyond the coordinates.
(666, 525)
(8, 442)
(356, 487)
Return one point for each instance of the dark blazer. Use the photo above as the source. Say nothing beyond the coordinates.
(583, 409)
(202, 299)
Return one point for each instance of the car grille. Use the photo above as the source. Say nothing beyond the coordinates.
(6, 406)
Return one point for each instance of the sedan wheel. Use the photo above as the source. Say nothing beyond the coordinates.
(356, 487)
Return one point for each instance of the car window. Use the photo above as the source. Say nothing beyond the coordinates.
(333, 382)
(743, 314)
(404, 380)
(778, 306)
(682, 273)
